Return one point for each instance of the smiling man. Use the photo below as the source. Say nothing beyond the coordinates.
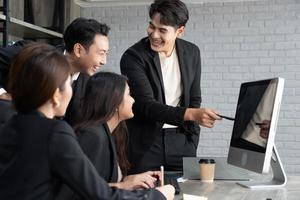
(87, 46)
(164, 78)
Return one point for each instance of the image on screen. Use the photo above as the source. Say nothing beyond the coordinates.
(253, 115)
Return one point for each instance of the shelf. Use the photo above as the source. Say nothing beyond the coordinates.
(23, 29)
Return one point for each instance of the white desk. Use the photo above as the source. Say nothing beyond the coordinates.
(229, 190)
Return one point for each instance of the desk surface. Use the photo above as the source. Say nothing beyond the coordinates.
(229, 190)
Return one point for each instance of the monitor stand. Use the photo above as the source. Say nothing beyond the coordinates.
(279, 177)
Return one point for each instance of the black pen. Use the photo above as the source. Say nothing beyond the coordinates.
(259, 124)
(225, 117)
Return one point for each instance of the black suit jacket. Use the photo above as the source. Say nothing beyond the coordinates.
(37, 153)
(97, 143)
(6, 56)
(99, 146)
(142, 66)
(6, 110)
(73, 115)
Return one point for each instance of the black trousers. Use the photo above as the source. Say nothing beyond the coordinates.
(168, 149)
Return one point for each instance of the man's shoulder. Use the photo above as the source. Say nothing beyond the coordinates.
(83, 77)
(141, 47)
(186, 44)
(7, 53)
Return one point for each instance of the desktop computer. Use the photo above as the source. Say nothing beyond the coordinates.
(252, 143)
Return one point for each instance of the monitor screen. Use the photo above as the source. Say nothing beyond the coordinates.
(255, 124)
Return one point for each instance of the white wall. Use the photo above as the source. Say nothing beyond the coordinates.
(239, 41)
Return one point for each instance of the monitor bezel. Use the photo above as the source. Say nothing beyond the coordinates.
(258, 161)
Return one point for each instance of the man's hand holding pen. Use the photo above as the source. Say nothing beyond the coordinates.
(264, 128)
(203, 116)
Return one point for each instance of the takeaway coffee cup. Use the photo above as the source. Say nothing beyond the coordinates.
(207, 170)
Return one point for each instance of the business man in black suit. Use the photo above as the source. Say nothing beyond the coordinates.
(86, 47)
(164, 78)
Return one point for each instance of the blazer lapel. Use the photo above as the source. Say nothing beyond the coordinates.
(183, 71)
(158, 70)
(114, 175)
(157, 67)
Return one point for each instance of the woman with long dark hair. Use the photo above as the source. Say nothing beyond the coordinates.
(102, 131)
(38, 152)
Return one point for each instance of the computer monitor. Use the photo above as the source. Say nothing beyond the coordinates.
(254, 129)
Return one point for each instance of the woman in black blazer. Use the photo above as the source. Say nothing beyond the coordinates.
(101, 134)
(39, 153)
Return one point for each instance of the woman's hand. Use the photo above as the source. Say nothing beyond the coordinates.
(168, 191)
(144, 180)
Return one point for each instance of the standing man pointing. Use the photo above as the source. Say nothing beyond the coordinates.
(164, 77)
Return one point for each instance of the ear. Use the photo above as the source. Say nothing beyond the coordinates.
(55, 98)
(77, 49)
(180, 31)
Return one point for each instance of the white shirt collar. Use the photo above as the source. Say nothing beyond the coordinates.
(74, 77)
(2, 91)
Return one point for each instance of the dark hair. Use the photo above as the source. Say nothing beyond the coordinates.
(83, 31)
(36, 72)
(172, 12)
(103, 95)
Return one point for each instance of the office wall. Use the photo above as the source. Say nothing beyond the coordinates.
(239, 41)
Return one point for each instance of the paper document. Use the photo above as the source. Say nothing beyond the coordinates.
(193, 197)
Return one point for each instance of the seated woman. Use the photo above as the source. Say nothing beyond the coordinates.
(37, 152)
(102, 130)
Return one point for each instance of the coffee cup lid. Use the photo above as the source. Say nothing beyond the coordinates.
(207, 161)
